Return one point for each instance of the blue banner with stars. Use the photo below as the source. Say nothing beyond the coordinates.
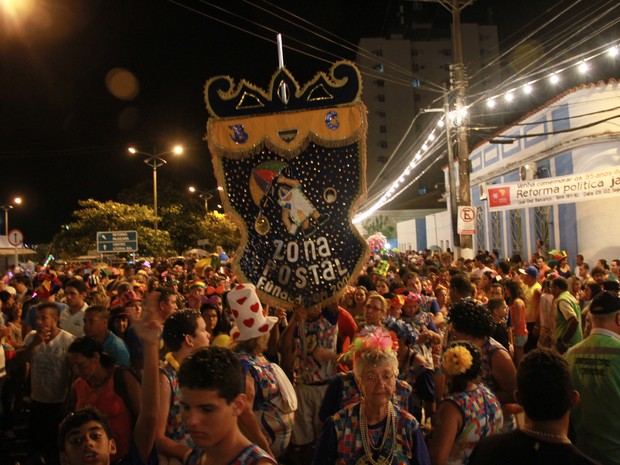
(292, 161)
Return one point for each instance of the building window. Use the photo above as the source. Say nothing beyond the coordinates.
(446, 52)
(496, 230)
(383, 144)
(381, 97)
(445, 67)
(382, 159)
(543, 219)
(516, 231)
(381, 114)
(480, 228)
(383, 129)
(378, 53)
(414, 52)
(380, 83)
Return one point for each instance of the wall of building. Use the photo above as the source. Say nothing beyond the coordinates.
(565, 136)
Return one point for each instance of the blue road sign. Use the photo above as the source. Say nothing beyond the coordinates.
(117, 241)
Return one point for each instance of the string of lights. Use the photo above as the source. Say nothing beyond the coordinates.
(432, 143)
(524, 81)
(582, 65)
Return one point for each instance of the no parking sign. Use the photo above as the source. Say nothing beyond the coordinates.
(467, 221)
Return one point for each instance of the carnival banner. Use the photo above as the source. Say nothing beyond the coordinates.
(552, 191)
(292, 163)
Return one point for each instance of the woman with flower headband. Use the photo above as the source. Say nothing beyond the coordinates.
(470, 412)
(372, 431)
(344, 389)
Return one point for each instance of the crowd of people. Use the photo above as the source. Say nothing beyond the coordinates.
(424, 359)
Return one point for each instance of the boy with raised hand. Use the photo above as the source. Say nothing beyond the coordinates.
(84, 435)
(212, 399)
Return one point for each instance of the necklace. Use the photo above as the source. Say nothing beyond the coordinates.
(369, 448)
(543, 435)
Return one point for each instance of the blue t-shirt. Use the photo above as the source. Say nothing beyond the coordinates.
(115, 346)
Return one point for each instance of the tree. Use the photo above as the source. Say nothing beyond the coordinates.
(80, 236)
(219, 230)
(181, 214)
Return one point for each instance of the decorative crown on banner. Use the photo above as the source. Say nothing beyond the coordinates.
(284, 93)
(291, 161)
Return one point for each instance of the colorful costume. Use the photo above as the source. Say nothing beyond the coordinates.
(276, 425)
(175, 428)
(482, 416)
(341, 441)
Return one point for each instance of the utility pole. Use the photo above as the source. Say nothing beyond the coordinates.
(451, 177)
(459, 85)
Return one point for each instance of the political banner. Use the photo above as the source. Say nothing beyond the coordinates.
(557, 190)
(292, 164)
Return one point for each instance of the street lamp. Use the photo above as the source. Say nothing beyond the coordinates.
(205, 195)
(155, 160)
(6, 208)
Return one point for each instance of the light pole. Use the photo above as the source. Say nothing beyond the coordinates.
(6, 208)
(155, 160)
(205, 195)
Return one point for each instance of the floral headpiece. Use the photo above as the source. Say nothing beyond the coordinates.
(397, 301)
(413, 298)
(457, 360)
(371, 339)
(402, 329)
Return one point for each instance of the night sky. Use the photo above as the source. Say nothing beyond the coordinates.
(64, 134)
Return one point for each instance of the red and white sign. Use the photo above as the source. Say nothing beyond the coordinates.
(594, 185)
(16, 237)
(467, 221)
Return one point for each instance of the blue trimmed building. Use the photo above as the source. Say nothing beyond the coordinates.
(576, 132)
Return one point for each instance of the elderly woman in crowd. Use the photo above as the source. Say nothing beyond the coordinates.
(268, 420)
(372, 431)
(375, 310)
(344, 389)
(470, 412)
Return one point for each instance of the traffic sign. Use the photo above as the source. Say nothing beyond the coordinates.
(16, 237)
(466, 221)
(117, 241)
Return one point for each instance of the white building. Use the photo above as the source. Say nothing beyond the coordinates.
(558, 144)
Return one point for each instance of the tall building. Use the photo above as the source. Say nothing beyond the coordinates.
(393, 97)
